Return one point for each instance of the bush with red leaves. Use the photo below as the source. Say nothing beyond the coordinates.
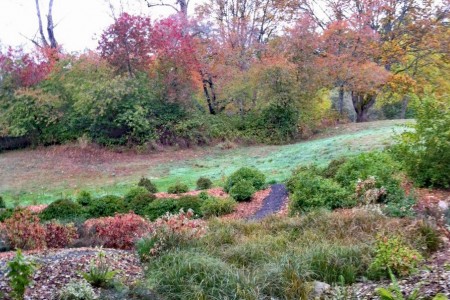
(120, 231)
(23, 231)
(58, 235)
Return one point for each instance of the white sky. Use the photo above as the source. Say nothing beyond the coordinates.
(79, 22)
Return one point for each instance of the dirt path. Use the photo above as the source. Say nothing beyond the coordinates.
(273, 202)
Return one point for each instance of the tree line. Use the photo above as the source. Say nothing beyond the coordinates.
(247, 70)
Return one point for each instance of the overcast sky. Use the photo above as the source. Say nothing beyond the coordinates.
(79, 22)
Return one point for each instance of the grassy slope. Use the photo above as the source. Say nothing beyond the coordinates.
(32, 177)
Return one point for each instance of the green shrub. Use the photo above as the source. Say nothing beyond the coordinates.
(425, 151)
(204, 183)
(392, 254)
(2, 203)
(77, 290)
(242, 190)
(20, 272)
(6, 213)
(310, 191)
(401, 208)
(159, 207)
(279, 123)
(62, 209)
(134, 192)
(178, 188)
(252, 175)
(189, 202)
(217, 206)
(196, 275)
(140, 202)
(148, 184)
(84, 198)
(377, 164)
(431, 236)
(332, 168)
(106, 206)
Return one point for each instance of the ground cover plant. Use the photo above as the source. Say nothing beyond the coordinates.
(248, 260)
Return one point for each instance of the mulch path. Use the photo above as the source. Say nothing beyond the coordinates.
(273, 203)
(59, 266)
(247, 209)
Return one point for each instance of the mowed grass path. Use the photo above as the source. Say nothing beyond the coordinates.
(44, 175)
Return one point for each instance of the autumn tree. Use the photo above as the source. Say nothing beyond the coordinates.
(126, 44)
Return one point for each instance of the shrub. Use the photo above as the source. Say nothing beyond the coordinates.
(2, 203)
(242, 190)
(310, 191)
(255, 177)
(134, 192)
(431, 237)
(178, 188)
(62, 209)
(194, 275)
(204, 183)
(24, 231)
(58, 235)
(20, 272)
(425, 151)
(170, 231)
(120, 231)
(77, 290)
(84, 198)
(332, 168)
(401, 208)
(160, 207)
(106, 206)
(391, 253)
(99, 273)
(148, 184)
(217, 206)
(140, 203)
(6, 213)
(377, 164)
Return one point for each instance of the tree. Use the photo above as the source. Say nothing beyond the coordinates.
(180, 6)
(126, 44)
(51, 40)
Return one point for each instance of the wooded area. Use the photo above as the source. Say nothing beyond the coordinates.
(246, 70)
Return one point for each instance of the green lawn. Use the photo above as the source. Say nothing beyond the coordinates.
(275, 161)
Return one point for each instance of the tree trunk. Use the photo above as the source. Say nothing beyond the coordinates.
(50, 26)
(405, 103)
(340, 103)
(362, 103)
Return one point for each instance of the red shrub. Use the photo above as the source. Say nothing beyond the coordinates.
(59, 235)
(120, 231)
(23, 231)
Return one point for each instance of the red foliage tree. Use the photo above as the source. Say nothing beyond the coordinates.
(126, 44)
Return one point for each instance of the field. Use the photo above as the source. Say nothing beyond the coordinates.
(42, 175)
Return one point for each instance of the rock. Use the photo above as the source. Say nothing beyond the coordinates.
(443, 205)
(319, 288)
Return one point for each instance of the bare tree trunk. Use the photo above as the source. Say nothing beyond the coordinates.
(50, 26)
(41, 30)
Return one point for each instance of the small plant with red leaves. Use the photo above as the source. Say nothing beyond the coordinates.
(120, 231)
(171, 231)
(60, 235)
(23, 231)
